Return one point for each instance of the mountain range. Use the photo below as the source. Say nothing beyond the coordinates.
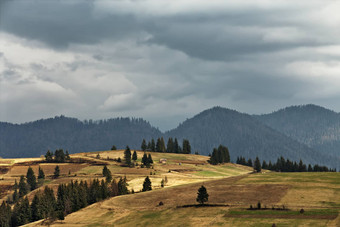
(306, 132)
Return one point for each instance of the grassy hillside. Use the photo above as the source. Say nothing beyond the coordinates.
(317, 193)
(231, 190)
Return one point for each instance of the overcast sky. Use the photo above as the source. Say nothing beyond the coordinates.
(165, 60)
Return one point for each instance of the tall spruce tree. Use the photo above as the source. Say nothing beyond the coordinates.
(143, 146)
(147, 184)
(145, 160)
(41, 174)
(56, 173)
(31, 179)
(107, 174)
(122, 186)
(186, 147)
(257, 165)
(153, 145)
(170, 146)
(23, 188)
(49, 156)
(134, 156)
(127, 156)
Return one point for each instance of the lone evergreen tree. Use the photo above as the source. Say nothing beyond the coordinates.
(202, 195)
(113, 148)
(147, 184)
(31, 179)
(127, 156)
(134, 156)
(56, 173)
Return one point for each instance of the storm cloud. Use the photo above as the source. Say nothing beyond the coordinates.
(165, 61)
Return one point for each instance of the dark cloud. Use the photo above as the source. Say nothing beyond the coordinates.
(100, 59)
(59, 23)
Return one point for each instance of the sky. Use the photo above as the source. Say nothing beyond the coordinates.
(165, 61)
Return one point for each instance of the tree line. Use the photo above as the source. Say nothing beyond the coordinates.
(171, 147)
(283, 165)
(58, 156)
(219, 155)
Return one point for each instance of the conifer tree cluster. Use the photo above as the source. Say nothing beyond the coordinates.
(26, 184)
(70, 198)
(284, 165)
(171, 147)
(147, 160)
(220, 155)
(58, 156)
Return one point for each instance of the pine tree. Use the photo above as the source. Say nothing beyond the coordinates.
(56, 173)
(122, 186)
(150, 159)
(41, 174)
(153, 145)
(186, 147)
(176, 146)
(145, 160)
(59, 156)
(23, 188)
(158, 145)
(264, 165)
(250, 162)
(147, 184)
(127, 156)
(113, 148)
(114, 188)
(15, 196)
(170, 146)
(5, 215)
(107, 174)
(31, 179)
(257, 165)
(143, 146)
(134, 156)
(202, 195)
(36, 207)
(49, 156)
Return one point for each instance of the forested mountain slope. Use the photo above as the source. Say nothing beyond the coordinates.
(315, 126)
(243, 135)
(35, 138)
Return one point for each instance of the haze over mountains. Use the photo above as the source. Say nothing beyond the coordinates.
(308, 132)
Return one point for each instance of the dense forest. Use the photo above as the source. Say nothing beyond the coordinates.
(243, 134)
(315, 126)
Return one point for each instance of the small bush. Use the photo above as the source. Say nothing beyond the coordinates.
(160, 203)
